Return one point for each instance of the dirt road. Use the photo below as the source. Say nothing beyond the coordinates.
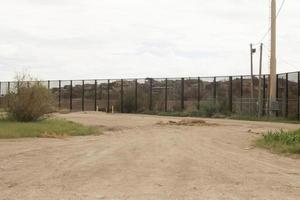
(137, 159)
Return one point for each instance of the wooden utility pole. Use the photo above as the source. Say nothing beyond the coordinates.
(260, 99)
(272, 97)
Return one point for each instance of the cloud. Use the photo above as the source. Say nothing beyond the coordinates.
(66, 39)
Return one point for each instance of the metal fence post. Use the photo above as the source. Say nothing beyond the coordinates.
(0, 91)
(215, 90)
(230, 94)
(298, 96)
(59, 94)
(198, 94)
(82, 96)
(150, 94)
(264, 96)
(108, 95)
(122, 93)
(95, 96)
(8, 91)
(100, 91)
(166, 95)
(8, 87)
(242, 93)
(182, 94)
(136, 96)
(71, 95)
(18, 87)
(277, 92)
(48, 84)
(287, 95)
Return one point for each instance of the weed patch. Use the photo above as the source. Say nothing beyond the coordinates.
(49, 128)
(281, 142)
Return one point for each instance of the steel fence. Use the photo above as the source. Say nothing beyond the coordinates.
(232, 93)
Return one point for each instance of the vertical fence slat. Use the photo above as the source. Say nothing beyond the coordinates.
(59, 94)
(95, 95)
(122, 96)
(136, 96)
(215, 90)
(8, 91)
(1, 93)
(150, 94)
(182, 94)
(198, 94)
(166, 95)
(264, 96)
(100, 91)
(298, 96)
(241, 94)
(108, 95)
(277, 92)
(71, 95)
(230, 94)
(8, 87)
(287, 95)
(18, 87)
(82, 96)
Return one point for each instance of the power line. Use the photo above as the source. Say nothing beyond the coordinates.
(269, 29)
(288, 63)
(283, 60)
(281, 6)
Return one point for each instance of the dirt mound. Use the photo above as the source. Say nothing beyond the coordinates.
(187, 122)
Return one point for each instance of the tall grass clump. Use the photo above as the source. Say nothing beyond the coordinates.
(209, 109)
(281, 141)
(28, 100)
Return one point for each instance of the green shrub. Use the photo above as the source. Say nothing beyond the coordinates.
(281, 141)
(129, 101)
(49, 128)
(209, 109)
(29, 102)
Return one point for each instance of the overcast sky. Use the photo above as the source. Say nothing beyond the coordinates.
(87, 39)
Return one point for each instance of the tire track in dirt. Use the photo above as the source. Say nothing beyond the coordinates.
(143, 160)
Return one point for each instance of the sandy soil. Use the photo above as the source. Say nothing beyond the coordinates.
(139, 158)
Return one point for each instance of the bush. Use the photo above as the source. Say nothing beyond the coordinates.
(129, 101)
(209, 109)
(29, 102)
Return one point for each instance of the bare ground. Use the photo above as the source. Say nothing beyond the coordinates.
(146, 158)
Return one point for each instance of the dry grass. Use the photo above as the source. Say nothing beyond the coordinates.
(187, 122)
(49, 128)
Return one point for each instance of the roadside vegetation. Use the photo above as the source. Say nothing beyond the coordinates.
(208, 109)
(49, 128)
(281, 142)
(28, 101)
(264, 119)
(215, 110)
(27, 113)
